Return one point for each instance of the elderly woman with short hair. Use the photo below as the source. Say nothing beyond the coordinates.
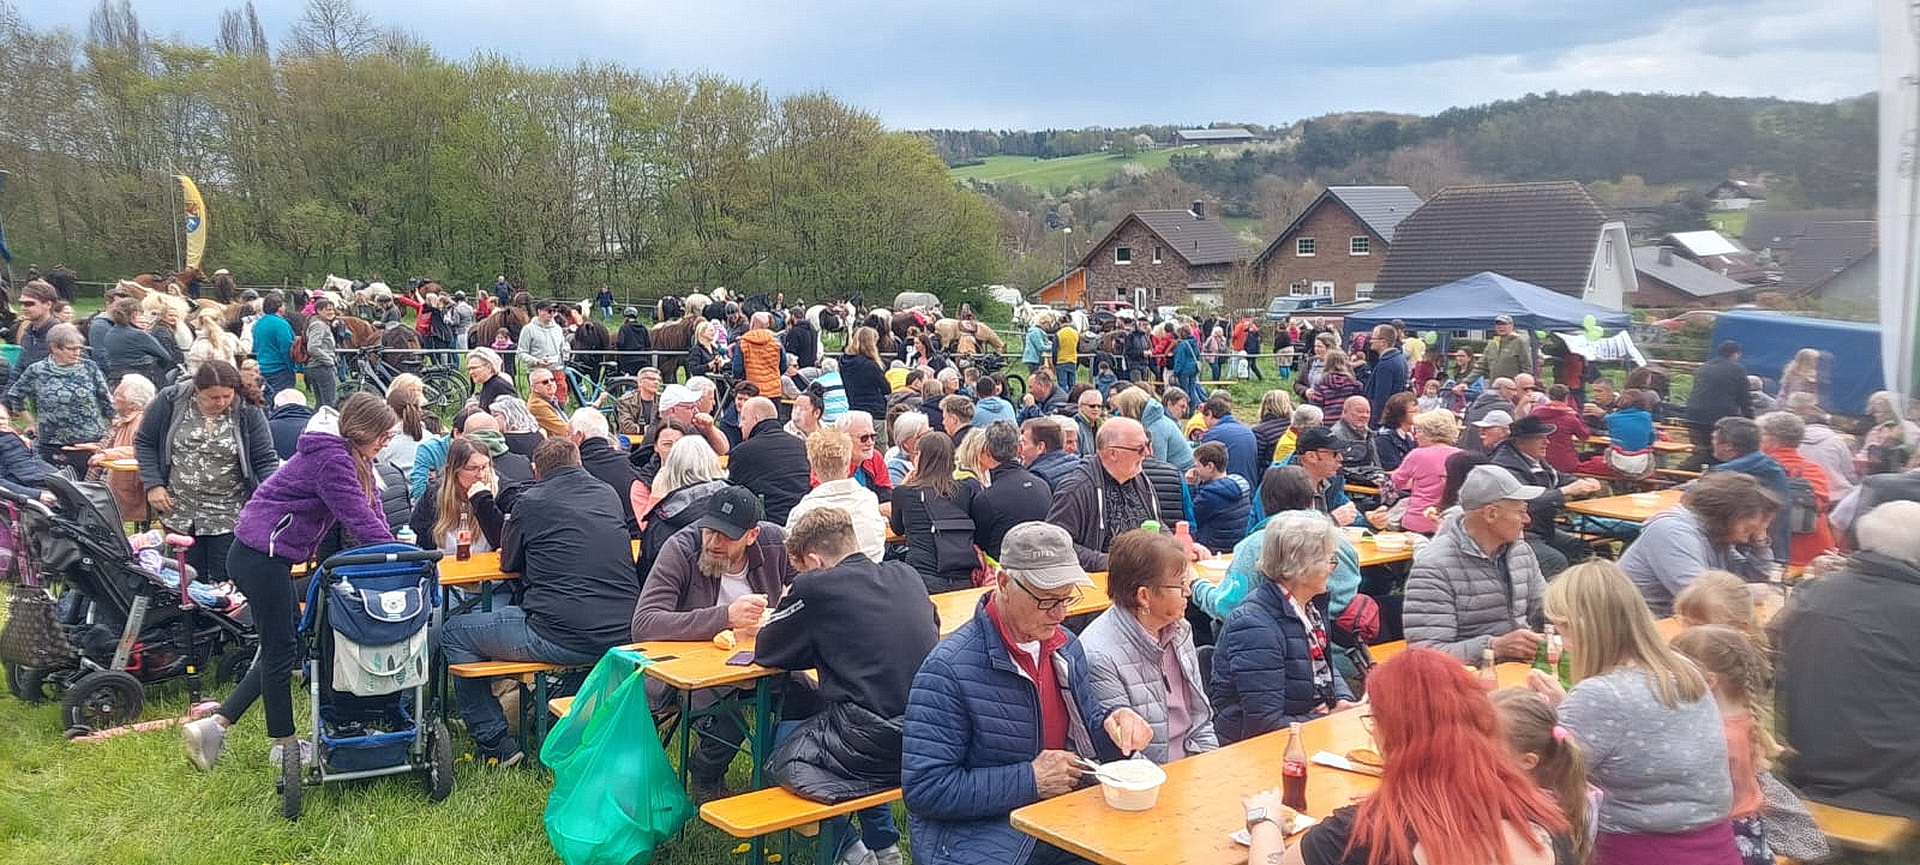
(1140, 651)
(517, 425)
(68, 395)
(130, 399)
(1422, 475)
(1273, 664)
(490, 381)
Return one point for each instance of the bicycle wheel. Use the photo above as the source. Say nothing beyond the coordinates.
(1016, 388)
(619, 386)
(445, 389)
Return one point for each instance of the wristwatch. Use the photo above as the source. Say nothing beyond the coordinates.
(1260, 815)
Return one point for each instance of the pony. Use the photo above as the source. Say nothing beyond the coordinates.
(670, 340)
(364, 333)
(509, 318)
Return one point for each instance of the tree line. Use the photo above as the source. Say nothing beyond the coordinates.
(355, 149)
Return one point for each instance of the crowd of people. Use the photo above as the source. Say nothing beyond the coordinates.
(816, 501)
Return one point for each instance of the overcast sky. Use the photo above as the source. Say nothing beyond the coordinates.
(1021, 64)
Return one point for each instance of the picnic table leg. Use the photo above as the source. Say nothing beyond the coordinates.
(762, 742)
(686, 737)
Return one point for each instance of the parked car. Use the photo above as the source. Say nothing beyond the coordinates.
(1283, 308)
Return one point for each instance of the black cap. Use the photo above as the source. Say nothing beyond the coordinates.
(1317, 438)
(732, 512)
(1530, 426)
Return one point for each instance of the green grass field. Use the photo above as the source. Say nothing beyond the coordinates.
(1063, 173)
(135, 799)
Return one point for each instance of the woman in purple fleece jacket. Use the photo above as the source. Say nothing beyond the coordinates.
(328, 479)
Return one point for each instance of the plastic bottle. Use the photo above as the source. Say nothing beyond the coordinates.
(1293, 771)
(1489, 676)
(1151, 526)
(1183, 532)
(1541, 661)
(1564, 664)
(406, 536)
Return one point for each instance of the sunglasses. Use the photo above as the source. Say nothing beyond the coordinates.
(863, 438)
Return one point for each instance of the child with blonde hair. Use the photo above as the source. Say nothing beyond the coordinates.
(1737, 673)
(1720, 598)
(1552, 758)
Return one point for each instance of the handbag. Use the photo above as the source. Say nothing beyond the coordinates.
(615, 796)
(1791, 831)
(1803, 507)
(33, 636)
(1632, 465)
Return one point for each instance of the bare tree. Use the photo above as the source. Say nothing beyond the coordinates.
(241, 33)
(334, 28)
(115, 27)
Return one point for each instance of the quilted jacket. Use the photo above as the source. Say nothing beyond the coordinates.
(1455, 599)
(1263, 671)
(1125, 667)
(973, 729)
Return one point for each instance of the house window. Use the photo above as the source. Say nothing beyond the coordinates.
(1609, 253)
(1299, 288)
(1359, 244)
(1123, 255)
(1323, 288)
(1156, 254)
(1363, 291)
(1303, 247)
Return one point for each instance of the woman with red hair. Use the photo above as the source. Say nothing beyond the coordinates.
(1450, 792)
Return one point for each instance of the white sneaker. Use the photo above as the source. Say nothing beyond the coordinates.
(205, 739)
(856, 854)
(306, 754)
(889, 856)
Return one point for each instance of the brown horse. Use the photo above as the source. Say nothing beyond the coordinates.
(364, 332)
(670, 341)
(510, 318)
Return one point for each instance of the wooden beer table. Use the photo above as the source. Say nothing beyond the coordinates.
(956, 608)
(1199, 807)
(687, 666)
(1633, 508)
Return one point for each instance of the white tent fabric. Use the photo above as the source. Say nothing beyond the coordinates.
(1899, 192)
(1605, 349)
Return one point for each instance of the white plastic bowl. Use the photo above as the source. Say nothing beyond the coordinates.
(1355, 534)
(1131, 785)
(1387, 541)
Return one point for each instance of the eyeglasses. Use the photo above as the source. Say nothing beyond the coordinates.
(1136, 450)
(864, 438)
(1092, 405)
(1182, 588)
(1047, 605)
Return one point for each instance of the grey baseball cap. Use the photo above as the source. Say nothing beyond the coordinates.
(1488, 484)
(1041, 555)
(1495, 418)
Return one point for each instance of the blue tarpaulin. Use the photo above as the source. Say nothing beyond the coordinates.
(1470, 303)
(1850, 352)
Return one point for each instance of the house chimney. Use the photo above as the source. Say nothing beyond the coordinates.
(1199, 210)
(1666, 256)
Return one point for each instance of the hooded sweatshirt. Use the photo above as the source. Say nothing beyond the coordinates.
(1164, 432)
(296, 505)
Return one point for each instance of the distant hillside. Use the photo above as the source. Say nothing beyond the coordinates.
(1062, 173)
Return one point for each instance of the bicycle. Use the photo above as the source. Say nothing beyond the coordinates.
(599, 390)
(444, 386)
(989, 364)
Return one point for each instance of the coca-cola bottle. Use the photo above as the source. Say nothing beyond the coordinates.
(463, 539)
(1293, 771)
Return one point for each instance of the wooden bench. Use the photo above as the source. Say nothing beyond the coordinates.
(539, 672)
(1677, 474)
(1860, 830)
(761, 813)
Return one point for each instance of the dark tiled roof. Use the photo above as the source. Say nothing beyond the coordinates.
(1778, 230)
(1826, 249)
(1542, 233)
(1682, 274)
(1199, 241)
(1382, 208)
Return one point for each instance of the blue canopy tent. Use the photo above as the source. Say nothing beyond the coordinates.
(1470, 303)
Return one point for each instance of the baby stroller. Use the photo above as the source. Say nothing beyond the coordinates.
(368, 665)
(127, 626)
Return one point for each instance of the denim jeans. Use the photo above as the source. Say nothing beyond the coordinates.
(877, 829)
(277, 381)
(502, 635)
(325, 383)
(1066, 373)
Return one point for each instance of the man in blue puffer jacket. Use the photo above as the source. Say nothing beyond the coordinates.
(1001, 712)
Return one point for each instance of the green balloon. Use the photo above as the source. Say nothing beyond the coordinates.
(1592, 327)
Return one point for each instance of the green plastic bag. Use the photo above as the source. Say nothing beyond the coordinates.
(615, 796)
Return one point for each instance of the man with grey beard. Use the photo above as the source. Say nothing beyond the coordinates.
(721, 573)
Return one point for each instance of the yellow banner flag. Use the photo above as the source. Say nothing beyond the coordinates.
(196, 220)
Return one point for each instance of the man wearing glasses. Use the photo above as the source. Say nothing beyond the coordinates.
(1089, 413)
(36, 303)
(1478, 584)
(1002, 712)
(1106, 495)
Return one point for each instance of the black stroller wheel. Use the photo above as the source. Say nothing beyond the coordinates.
(290, 787)
(103, 699)
(439, 770)
(233, 665)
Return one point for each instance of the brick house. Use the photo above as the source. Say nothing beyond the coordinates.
(1335, 247)
(1158, 257)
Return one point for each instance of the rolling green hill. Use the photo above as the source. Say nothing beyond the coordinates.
(1061, 173)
